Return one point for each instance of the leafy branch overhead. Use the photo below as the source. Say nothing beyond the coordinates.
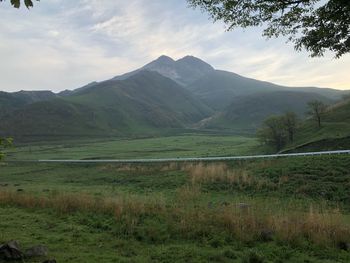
(17, 3)
(315, 25)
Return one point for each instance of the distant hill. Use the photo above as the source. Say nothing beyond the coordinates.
(334, 133)
(246, 113)
(219, 89)
(17, 100)
(140, 104)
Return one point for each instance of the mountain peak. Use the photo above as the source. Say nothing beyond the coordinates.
(190, 58)
(164, 58)
(183, 71)
(195, 62)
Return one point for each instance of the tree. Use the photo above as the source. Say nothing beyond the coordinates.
(17, 3)
(346, 96)
(317, 109)
(314, 25)
(290, 121)
(273, 132)
(4, 143)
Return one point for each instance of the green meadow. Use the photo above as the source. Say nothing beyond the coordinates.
(278, 210)
(158, 147)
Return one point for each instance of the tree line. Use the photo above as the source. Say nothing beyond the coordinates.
(279, 130)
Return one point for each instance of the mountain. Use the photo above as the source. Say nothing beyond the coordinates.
(246, 113)
(145, 103)
(219, 89)
(67, 92)
(17, 100)
(183, 71)
(216, 88)
(164, 95)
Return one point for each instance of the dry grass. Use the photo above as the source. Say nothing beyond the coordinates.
(70, 203)
(142, 168)
(139, 168)
(220, 172)
(188, 217)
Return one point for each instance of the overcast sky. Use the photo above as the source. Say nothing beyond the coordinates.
(64, 44)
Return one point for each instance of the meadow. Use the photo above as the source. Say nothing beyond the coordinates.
(278, 210)
(190, 145)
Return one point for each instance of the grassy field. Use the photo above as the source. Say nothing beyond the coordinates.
(281, 210)
(160, 147)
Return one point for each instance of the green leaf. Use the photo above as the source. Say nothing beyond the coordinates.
(16, 3)
(28, 3)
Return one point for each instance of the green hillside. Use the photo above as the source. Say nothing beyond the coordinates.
(146, 98)
(17, 100)
(333, 135)
(55, 117)
(246, 113)
(219, 89)
(142, 104)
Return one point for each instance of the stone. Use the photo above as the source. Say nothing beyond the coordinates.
(243, 206)
(36, 251)
(11, 251)
(344, 246)
(266, 235)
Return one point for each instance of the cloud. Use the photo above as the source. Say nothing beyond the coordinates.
(64, 44)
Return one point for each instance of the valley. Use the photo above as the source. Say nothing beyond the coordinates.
(193, 131)
(289, 209)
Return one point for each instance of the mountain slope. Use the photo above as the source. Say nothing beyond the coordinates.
(334, 133)
(51, 118)
(246, 113)
(16, 100)
(144, 96)
(219, 89)
(144, 103)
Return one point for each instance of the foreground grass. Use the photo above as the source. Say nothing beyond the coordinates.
(187, 217)
(216, 212)
(95, 238)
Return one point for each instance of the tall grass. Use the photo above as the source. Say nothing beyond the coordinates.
(143, 168)
(188, 217)
(221, 172)
(65, 203)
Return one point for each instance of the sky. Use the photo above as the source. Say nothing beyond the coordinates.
(64, 44)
